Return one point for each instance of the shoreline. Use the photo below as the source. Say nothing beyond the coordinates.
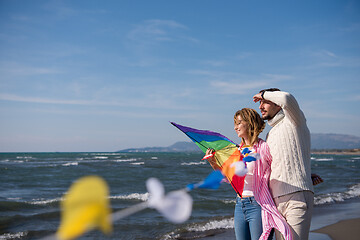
(335, 221)
(337, 151)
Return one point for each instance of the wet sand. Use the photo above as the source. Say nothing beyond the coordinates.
(345, 229)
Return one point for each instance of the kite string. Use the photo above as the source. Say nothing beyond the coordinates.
(129, 211)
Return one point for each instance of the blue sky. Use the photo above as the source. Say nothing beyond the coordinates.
(108, 75)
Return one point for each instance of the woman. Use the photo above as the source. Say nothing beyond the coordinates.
(255, 213)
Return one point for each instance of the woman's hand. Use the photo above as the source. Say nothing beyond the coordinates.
(209, 151)
(211, 159)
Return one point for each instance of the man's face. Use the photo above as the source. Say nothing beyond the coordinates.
(268, 109)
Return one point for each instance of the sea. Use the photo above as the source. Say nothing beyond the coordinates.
(32, 186)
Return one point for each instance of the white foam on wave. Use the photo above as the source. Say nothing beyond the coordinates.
(214, 224)
(13, 235)
(352, 192)
(70, 164)
(322, 159)
(229, 201)
(125, 160)
(44, 201)
(138, 163)
(154, 158)
(193, 163)
(132, 196)
(101, 157)
(14, 198)
(24, 157)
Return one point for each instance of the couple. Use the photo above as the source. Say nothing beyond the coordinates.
(278, 190)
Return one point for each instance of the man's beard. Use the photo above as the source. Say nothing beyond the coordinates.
(267, 117)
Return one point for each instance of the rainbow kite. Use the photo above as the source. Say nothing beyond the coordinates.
(226, 154)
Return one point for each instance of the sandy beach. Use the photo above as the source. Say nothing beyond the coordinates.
(336, 221)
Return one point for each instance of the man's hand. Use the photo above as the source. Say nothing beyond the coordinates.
(257, 97)
(316, 179)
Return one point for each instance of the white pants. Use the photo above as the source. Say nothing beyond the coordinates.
(297, 209)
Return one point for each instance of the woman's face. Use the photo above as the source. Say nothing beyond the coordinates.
(241, 127)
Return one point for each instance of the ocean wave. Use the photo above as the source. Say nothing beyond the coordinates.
(229, 201)
(138, 163)
(226, 223)
(322, 159)
(13, 161)
(24, 157)
(13, 235)
(132, 196)
(125, 160)
(201, 230)
(193, 163)
(14, 204)
(44, 201)
(101, 157)
(70, 164)
(352, 192)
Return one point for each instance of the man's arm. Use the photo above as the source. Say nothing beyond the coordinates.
(286, 101)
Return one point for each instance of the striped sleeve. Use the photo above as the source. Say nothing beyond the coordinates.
(271, 218)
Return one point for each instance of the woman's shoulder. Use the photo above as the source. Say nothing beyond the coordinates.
(261, 142)
(261, 145)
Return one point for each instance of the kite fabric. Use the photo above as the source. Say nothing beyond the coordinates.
(85, 206)
(226, 154)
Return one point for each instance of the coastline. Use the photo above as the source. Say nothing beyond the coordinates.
(337, 152)
(335, 221)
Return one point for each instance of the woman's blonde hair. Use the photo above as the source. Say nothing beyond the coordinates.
(255, 122)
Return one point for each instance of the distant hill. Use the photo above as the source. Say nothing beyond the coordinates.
(334, 141)
(319, 141)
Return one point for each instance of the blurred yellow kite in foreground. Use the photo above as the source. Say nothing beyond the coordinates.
(86, 206)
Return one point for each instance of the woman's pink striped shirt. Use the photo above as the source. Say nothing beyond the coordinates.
(271, 218)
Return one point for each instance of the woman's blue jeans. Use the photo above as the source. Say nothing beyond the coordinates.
(247, 219)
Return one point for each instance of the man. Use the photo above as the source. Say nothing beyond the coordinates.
(289, 142)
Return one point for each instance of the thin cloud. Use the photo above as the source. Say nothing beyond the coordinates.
(325, 59)
(60, 9)
(156, 31)
(150, 102)
(238, 87)
(324, 54)
(215, 63)
(17, 69)
(16, 98)
(244, 84)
